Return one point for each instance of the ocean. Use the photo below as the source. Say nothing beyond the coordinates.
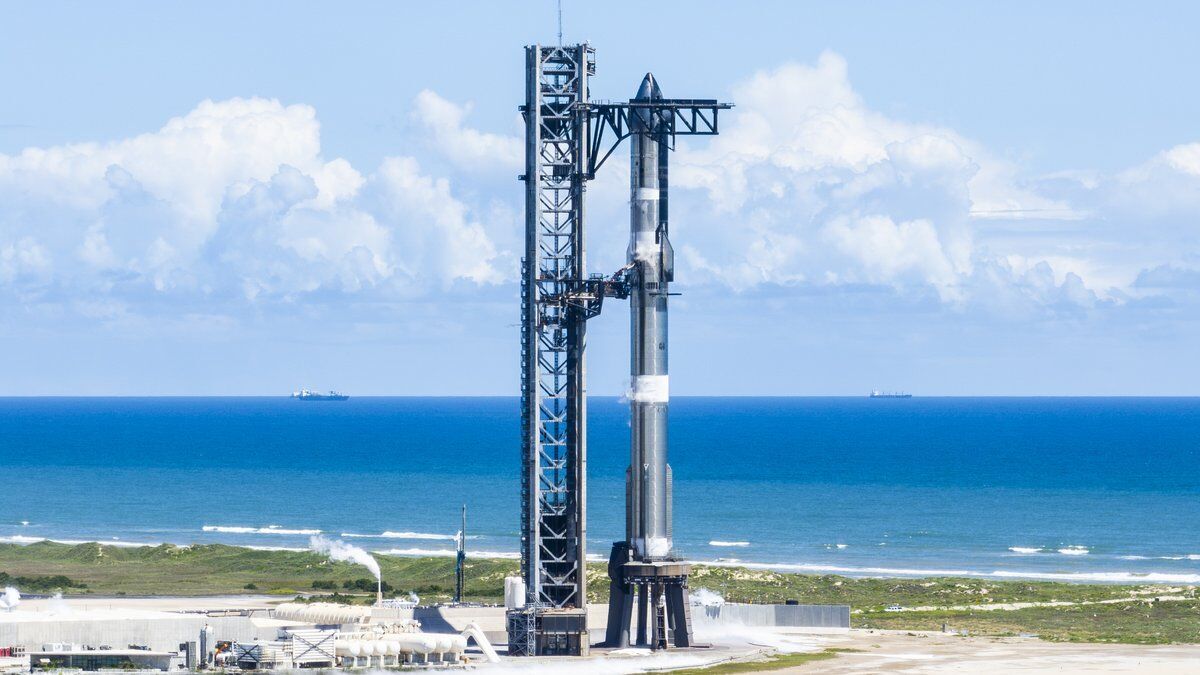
(1074, 489)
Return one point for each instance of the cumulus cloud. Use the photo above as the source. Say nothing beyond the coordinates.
(891, 252)
(467, 147)
(808, 184)
(233, 199)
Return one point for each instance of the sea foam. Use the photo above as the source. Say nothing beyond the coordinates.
(270, 529)
(1024, 549)
(717, 542)
(406, 535)
(22, 539)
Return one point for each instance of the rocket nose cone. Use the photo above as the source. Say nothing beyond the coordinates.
(649, 89)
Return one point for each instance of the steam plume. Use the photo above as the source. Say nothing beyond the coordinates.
(340, 550)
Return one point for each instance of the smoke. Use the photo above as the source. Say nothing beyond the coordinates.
(10, 598)
(341, 551)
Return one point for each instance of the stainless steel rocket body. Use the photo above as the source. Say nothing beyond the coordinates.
(649, 508)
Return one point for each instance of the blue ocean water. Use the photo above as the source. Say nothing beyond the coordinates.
(1093, 489)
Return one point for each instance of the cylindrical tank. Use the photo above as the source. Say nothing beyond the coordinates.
(422, 643)
(444, 643)
(514, 592)
(208, 644)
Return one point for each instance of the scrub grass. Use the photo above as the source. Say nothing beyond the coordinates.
(216, 569)
(1135, 622)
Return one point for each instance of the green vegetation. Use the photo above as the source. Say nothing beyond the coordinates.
(218, 569)
(868, 595)
(769, 663)
(1136, 622)
(40, 584)
(1124, 613)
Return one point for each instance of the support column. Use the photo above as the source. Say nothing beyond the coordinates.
(643, 592)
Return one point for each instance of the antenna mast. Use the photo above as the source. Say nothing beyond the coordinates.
(560, 23)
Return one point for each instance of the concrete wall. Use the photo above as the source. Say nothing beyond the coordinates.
(160, 634)
(791, 616)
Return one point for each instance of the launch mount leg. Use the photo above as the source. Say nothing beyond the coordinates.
(620, 599)
(681, 615)
(643, 591)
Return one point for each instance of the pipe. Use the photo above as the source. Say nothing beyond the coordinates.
(474, 631)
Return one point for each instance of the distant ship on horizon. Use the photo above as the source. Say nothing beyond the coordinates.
(875, 393)
(307, 395)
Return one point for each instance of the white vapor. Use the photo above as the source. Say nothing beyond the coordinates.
(10, 598)
(343, 552)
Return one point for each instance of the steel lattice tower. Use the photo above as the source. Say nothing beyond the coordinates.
(553, 412)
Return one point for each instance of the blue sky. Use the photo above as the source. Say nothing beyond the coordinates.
(244, 198)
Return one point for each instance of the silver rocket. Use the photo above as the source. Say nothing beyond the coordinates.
(648, 511)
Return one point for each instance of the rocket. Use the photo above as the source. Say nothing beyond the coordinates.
(651, 268)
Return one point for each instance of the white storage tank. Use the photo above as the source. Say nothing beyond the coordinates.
(514, 592)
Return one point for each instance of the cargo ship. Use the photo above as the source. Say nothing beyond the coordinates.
(889, 394)
(306, 395)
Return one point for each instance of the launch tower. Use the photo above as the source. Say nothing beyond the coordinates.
(567, 138)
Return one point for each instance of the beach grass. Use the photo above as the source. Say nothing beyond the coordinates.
(1089, 613)
(1134, 622)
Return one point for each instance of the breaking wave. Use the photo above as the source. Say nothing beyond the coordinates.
(1095, 577)
(717, 542)
(406, 535)
(1074, 550)
(447, 553)
(1025, 549)
(270, 529)
(19, 539)
(23, 540)
(450, 553)
(276, 548)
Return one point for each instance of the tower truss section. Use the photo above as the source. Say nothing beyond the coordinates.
(553, 401)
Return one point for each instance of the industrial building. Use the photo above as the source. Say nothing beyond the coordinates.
(121, 635)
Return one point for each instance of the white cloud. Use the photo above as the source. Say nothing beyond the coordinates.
(808, 184)
(468, 148)
(452, 245)
(233, 197)
(890, 252)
